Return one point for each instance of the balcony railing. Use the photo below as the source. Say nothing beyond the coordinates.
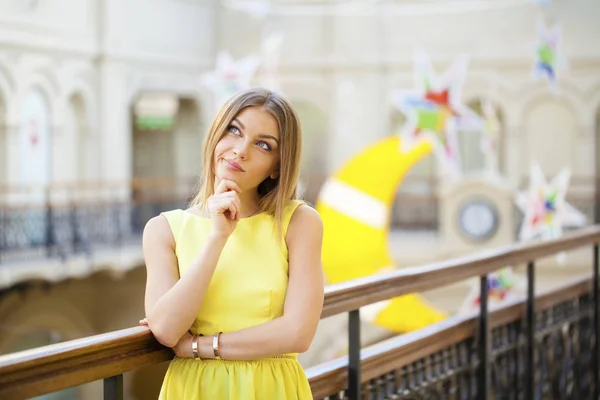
(62, 221)
(534, 348)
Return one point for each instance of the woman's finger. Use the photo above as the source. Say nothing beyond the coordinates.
(226, 185)
(233, 209)
(227, 205)
(238, 206)
(231, 185)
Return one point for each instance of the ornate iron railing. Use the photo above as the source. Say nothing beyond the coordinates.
(444, 364)
(65, 229)
(62, 221)
(81, 219)
(534, 348)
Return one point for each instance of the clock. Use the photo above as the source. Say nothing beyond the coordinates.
(478, 219)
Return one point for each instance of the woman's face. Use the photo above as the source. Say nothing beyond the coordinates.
(248, 152)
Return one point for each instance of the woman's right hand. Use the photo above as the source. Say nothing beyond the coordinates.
(224, 208)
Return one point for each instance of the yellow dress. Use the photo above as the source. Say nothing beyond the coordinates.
(248, 288)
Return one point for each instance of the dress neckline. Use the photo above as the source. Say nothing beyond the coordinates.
(207, 218)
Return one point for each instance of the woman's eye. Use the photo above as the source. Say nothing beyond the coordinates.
(264, 145)
(233, 129)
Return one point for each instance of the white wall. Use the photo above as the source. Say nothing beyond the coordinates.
(106, 52)
(57, 25)
(178, 32)
(111, 50)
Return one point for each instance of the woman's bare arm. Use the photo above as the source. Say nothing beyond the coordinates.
(172, 303)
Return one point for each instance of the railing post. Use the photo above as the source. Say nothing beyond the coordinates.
(49, 230)
(113, 388)
(483, 373)
(596, 357)
(354, 381)
(530, 371)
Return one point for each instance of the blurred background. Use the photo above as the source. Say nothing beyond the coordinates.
(104, 105)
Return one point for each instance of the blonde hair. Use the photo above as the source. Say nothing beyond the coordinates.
(276, 193)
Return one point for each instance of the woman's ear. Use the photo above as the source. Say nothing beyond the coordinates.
(275, 174)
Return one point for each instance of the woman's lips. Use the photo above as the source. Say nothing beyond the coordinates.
(233, 166)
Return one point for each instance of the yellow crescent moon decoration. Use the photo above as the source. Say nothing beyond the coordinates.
(355, 205)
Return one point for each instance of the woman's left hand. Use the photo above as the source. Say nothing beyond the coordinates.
(183, 348)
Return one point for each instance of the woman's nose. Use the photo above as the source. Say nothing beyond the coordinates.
(240, 150)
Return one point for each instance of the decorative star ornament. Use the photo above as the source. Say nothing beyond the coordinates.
(490, 130)
(229, 76)
(547, 57)
(502, 286)
(545, 209)
(434, 110)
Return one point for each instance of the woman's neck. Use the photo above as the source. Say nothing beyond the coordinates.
(249, 202)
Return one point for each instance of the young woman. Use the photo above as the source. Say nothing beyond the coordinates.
(234, 283)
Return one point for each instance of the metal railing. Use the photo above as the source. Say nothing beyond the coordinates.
(63, 220)
(80, 219)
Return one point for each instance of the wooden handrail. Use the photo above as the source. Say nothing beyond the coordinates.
(351, 295)
(396, 352)
(81, 361)
(76, 362)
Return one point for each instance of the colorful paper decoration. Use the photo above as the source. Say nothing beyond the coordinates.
(434, 110)
(502, 286)
(547, 56)
(545, 209)
(230, 76)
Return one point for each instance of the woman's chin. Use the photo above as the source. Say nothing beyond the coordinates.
(221, 175)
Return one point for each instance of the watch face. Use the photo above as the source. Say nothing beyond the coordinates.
(478, 219)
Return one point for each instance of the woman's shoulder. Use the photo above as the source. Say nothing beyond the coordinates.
(160, 228)
(303, 216)
(293, 204)
(169, 222)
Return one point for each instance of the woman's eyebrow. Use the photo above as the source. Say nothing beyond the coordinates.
(269, 137)
(262, 135)
(239, 122)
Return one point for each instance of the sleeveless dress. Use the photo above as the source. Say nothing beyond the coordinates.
(248, 288)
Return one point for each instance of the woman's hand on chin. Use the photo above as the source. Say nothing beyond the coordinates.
(224, 207)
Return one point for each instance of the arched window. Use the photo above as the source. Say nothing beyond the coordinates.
(474, 158)
(86, 158)
(166, 153)
(35, 144)
(550, 129)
